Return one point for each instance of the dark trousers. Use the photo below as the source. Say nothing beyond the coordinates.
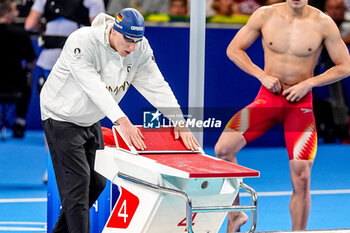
(72, 150)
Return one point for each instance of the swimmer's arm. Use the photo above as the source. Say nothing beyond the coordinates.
(339, 54)
(242, 40)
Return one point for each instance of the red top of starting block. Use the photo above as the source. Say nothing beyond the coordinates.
(168, 151)
(200, 166)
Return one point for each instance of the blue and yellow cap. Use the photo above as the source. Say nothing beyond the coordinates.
(130, 22)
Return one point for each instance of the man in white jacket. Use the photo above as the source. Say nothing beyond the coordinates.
(92, 74)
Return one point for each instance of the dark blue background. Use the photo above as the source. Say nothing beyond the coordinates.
(227, 88)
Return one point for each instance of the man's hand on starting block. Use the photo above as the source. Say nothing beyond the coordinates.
(187, 137)
(132, 134)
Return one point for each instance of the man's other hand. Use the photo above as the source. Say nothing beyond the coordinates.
(187, 137)
(131, 133)
(297, 91)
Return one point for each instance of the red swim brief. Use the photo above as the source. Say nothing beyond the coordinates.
(269, 109)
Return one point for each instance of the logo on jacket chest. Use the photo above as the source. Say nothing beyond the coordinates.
(128, 68)
(115, 90)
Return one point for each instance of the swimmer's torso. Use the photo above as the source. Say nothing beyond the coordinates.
(292, 47)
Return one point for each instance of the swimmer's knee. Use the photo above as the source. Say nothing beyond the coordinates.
(301, 182)
(221, 150)
(301, 186)
(227, 149)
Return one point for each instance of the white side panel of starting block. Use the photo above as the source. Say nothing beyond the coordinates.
(132, 211)
(141, 210)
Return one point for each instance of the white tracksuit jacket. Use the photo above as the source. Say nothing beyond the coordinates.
(90, 78)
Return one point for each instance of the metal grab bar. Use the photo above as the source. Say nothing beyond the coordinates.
(254, 197)
(190, 209)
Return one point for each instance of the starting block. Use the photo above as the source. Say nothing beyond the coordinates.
(168, 188)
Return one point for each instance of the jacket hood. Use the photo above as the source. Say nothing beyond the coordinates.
(101, 26)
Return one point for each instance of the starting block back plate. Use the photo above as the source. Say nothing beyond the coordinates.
(160, 140)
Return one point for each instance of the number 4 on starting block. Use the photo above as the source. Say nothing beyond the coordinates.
(183, 223)
(124, 210)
